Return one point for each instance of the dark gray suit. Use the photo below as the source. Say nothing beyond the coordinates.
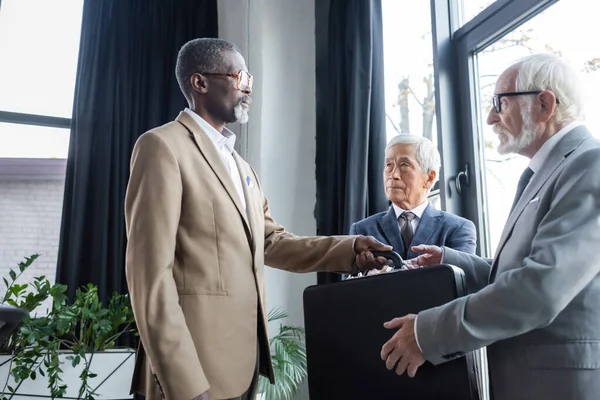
(538, 311)
(435, 228)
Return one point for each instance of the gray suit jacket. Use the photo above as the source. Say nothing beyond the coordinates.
(537, 308)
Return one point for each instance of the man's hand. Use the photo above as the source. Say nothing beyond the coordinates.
(431, 255)
(363, 247)
(402, 348)
(203, 396)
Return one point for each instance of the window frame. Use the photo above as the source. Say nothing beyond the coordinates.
(457, 98)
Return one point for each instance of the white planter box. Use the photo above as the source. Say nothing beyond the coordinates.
(114, 369)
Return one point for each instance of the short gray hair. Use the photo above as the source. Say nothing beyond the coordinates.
(204, 55)
(426, 153)
(547, 71)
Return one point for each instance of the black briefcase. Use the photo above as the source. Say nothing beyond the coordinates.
(345, 333)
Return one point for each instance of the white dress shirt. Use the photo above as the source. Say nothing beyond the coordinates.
(224, 143)
(418, 211)
(536, 163)
(538, 159)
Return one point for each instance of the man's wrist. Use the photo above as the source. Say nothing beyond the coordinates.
(354, 245)
(416, 336)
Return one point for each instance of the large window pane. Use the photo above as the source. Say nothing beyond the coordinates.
(408, 64)
(30, 141)
(561, 29)
(408, 70)
(39, 44)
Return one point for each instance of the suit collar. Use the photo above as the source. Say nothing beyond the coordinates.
(211, 154)
(555, 159)
(389, 226)
(220, 139)
(542, 154)
(418, 210)
(428, 222)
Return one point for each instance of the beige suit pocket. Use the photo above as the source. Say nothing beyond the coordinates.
(570, 355)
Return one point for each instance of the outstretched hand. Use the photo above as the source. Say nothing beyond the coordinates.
(364, 247)
(402, 352)
(430, 255)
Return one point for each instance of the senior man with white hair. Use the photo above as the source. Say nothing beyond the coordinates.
(536, 305)
(412, 165)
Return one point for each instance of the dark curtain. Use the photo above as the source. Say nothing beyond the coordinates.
(125, 85)
(351, 134)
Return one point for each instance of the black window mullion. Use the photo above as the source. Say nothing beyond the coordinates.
(33, 119)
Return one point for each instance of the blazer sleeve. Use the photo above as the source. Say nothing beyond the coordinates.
(464, 238)
(284, 250)
(563, 260)
(152, 211)
(476, 269)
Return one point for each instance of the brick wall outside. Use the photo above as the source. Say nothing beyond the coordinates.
(30, 218)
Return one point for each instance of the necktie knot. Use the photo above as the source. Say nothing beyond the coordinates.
(407, 216)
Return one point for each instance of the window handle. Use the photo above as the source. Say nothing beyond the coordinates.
(456, 181)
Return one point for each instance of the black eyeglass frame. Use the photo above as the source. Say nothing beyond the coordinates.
(498, 105)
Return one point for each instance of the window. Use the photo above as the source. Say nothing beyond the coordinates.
(408, 71)
(39, 46)
(502, 172)
(31, 141)
(408, 68)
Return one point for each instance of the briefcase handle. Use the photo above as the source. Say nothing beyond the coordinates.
(391, 255)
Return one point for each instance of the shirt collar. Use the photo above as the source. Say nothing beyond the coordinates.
(225, 138)
(418, 210)
(542, 154)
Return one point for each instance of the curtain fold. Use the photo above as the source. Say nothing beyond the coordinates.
(125, 85)
(351, 134)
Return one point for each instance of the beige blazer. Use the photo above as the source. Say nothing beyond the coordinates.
(195, 264)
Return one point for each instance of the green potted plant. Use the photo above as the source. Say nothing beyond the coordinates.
(70, 351)
(288, 356)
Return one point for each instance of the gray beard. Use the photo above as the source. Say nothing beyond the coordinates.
(241, 114)
(516, 145)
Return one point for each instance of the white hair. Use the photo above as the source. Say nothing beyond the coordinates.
(426, 153)
(549, 72)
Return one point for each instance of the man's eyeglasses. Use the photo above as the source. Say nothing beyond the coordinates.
(243, 79)
(498, 104)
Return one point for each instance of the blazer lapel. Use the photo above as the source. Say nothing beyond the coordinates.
(389, 226)
(555, 159)
(254, 208)
(427, 225)
(211, 154)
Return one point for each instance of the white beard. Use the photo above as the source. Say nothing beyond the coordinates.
(241, 113)
(514, 144)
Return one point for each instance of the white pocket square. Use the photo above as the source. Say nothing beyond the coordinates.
(534, 200)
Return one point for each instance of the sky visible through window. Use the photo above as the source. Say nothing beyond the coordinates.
(39, 45)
